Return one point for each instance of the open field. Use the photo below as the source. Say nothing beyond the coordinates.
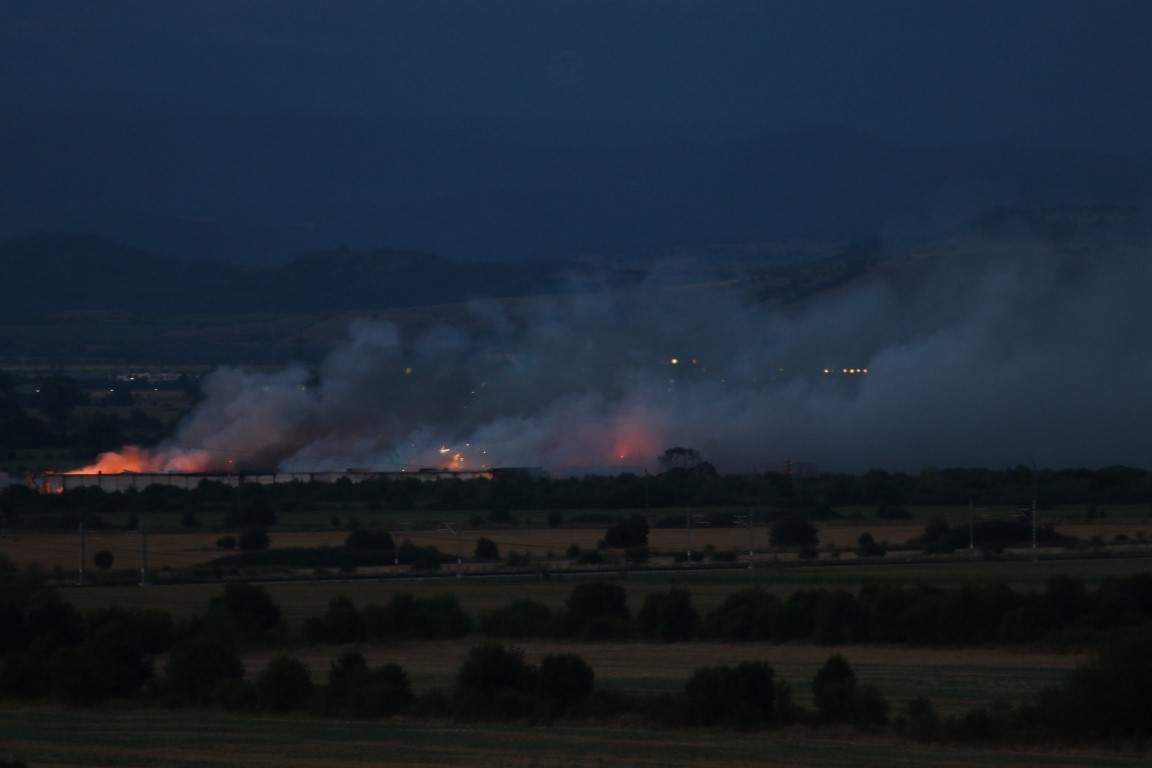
(954, 679)
(182, 739)
(1121, 518)
(190, 548)
(300, 600)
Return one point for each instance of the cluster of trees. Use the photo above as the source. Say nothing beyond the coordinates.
(404, 616)
(1064, 612)
(56, 411)
(47, 649)
(496, 501)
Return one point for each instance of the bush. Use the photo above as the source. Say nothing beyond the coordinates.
(103, 559)
(425, 558)
(834, 690)
(562, 680)
(919, 721)
(598, 610)
(1107, 698)
(518, 560)
(741, 697)
(342, 623)
(632, 532)
(357, 691)
(668, 617)
(284, 685)
(867, 546)
(493, 681)
(22, 676)
(751, 614)
(520, 618)
(439, 617)
(226, 542)
(591, 557)
(870, 710)
(199, 668)
(110, 663)
(486, 550)
(152, 630)
(432, 618)
(246, 612)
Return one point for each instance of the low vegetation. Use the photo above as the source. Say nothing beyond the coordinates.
(50, 651)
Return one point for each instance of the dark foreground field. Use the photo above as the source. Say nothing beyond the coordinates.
(955, 679)
(185, 739)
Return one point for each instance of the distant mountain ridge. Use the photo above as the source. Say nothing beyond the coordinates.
(53, 272)
(262, 189)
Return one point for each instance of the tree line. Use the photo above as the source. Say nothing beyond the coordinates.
(49, 651)
(58, 412)
(498, 500)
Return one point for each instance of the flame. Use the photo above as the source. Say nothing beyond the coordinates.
(133, 458)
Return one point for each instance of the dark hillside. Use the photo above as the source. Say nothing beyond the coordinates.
(50, 273)
(261, 189)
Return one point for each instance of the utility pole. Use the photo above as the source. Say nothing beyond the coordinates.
(83, 552)
(396, 546)
(455, 528)
(144, 582)
(1034, 556)
(688, 527)
(971, 527)
(748, 520)
(751, 530)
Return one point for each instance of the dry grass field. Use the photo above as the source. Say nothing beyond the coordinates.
(46, 738)
(954, 679)
(190, 548)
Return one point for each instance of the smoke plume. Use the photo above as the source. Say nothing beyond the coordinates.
(989, 357)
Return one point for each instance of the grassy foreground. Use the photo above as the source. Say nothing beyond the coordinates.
(49, 737)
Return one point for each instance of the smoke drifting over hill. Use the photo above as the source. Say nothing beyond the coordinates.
(1013, 356)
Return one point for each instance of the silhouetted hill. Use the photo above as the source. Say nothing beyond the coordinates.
(75, 273)
(263, 189)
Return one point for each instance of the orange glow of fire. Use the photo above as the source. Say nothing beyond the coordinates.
(133, 458)
(451, 459)
(633, 441)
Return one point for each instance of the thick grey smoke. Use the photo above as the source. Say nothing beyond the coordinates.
(991, 358)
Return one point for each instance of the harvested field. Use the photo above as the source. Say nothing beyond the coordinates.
(954, 679)
(184, 549)
(182, 739)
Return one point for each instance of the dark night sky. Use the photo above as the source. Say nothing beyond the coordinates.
(263, 129)
(1054, 73)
